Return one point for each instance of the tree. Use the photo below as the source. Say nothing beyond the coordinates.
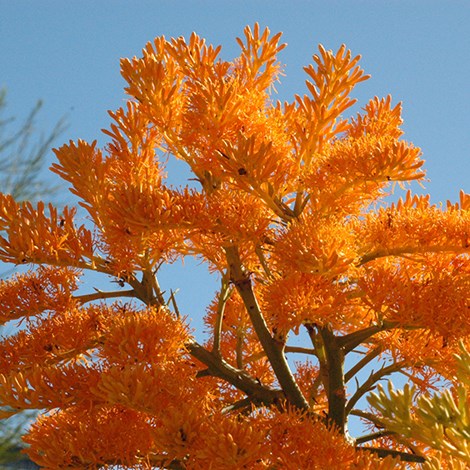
(291, 217)
(21, 159)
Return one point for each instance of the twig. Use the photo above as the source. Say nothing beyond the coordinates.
(352, 340)
(370, 383)
(173, 301)
(239, 348)
(223, 297)
(237, 405)
(299, 349)
(369, 416)
(362, 363)
(83, 299)
(287, 349)
(320, 352)
(264, 264)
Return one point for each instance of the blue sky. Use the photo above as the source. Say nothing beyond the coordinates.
(67, 54)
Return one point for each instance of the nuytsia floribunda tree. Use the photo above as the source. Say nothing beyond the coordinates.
(288, 210)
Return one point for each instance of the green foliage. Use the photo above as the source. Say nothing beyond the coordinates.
(440, 421)
(10, 432)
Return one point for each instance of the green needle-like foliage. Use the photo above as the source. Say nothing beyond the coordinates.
(440, 421)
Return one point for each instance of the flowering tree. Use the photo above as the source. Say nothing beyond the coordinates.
(289, 215)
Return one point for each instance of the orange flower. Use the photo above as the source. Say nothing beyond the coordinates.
(80, 437)
(30, 294)
(430, 293)
(149, 336)
(30, 236)
(300, 442)
(231, 443)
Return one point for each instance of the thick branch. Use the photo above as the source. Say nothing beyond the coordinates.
(336, 388)
(147, 290)
(352, 340)
(217, 367)
(405, 456)
(273, 348)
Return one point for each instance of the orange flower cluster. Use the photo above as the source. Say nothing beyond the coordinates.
(87, 438)
(25, 295)
(289, 214)
(31, 236)
(435, 299)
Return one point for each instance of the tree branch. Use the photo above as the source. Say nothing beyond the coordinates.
(299, 349)
(223, 297)
(287, 349)
(411, 250)
(320, 353)
(83, 299)
(352, 340)
(238, 405)
(217, 367)
(239, 347)
(369, 416)
(405, 456)
(373, 436)
(336, 387)
(370, 382)
(273, 348)
(362, 363)
(147, 290)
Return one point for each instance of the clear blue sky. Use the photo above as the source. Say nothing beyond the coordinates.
(67, 54)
